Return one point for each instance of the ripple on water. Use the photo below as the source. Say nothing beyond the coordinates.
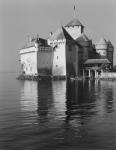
(49, 115)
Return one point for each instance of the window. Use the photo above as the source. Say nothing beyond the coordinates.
(57, 57)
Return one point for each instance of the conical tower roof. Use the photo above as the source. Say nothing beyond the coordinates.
(74, 22)
(102, 44)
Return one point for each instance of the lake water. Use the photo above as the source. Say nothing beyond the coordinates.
(55, 115)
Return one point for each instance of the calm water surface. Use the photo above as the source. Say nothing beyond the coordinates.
(55, 115)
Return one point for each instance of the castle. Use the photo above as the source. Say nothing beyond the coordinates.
(68, 52)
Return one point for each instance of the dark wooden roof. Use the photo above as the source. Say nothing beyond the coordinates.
(97, 61)
(82, 37)
(74, 22)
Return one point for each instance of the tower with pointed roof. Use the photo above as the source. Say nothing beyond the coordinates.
(105, 49)
(65, 56)
(64, 53)
(57, 41)
(101, 48)
(74, 27)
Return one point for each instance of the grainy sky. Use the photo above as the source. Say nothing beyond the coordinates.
(20, 18)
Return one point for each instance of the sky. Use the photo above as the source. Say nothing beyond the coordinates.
(20, 19)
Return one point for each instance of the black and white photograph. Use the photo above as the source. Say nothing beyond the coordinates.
(57, 74)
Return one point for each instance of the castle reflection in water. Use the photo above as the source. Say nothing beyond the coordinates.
(65, 99)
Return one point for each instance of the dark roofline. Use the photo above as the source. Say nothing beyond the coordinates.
(66, 34)
(72, 23)
(97, 61)
(68, 37)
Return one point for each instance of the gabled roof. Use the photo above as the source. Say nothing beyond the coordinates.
(55, 35)
(74, 22)
(82, 37)
(83, 40)
(60, 34)
(97, 61)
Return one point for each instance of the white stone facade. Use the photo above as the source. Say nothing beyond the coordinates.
(36, 60)
(59, 60)
(28, 59)
(74, 31)
(63, 53)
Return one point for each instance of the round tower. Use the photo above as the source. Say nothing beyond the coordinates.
(101, 48)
